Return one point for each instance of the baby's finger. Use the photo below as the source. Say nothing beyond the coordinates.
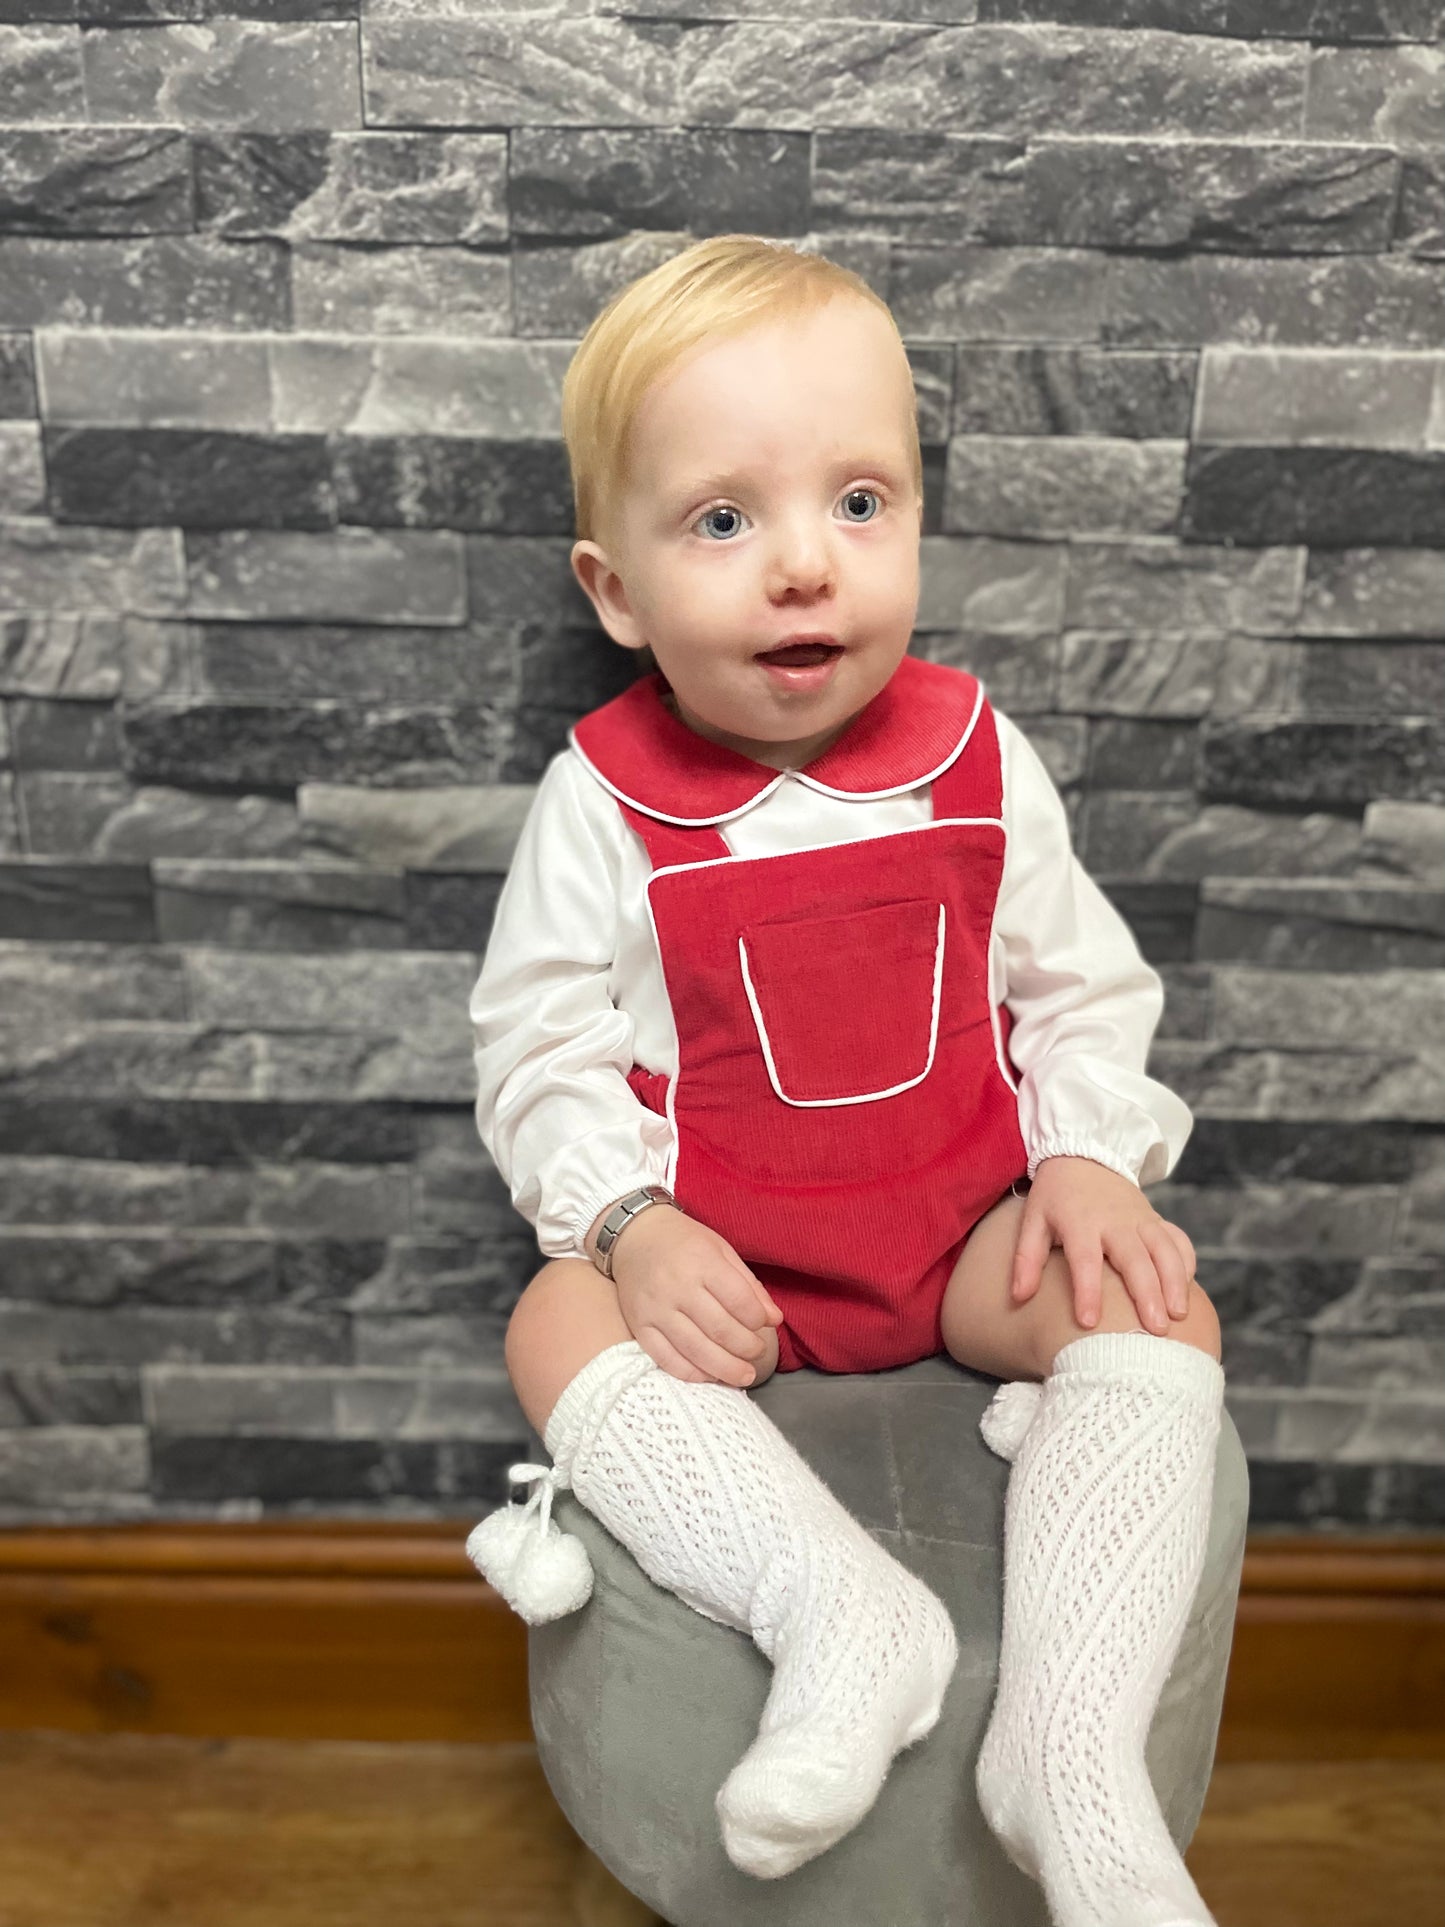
(755, 1285)
(716, 1322)
(1033, 1248)
(714, 1360)
(771, 1310)
(663, 1352)
(1181, 1243)
(1085, 1260)
(1170, 1265)
(1136, 1267)
(738, 1293)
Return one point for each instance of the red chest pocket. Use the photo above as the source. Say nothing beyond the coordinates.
(846, 1006)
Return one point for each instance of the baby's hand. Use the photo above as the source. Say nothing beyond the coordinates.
(1095, 1213)
(688, 1298)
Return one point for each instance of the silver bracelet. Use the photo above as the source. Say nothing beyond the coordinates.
(622, 1213)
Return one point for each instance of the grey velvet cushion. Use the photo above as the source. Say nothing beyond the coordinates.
(641, 1706)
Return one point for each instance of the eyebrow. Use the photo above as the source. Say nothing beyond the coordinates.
(848, 464)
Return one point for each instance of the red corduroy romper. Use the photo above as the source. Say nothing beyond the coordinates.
(845, 1109)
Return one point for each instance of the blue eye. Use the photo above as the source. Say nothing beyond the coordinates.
(726, 509)
(853, 492)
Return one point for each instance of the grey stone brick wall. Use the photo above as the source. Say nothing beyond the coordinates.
(287, 633)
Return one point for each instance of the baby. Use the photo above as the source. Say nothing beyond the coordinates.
(803, 1038)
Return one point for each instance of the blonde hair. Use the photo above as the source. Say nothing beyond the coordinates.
(716, 288)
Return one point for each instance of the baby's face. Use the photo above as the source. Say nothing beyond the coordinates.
(771, 493)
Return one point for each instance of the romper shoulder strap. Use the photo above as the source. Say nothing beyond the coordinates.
(972, 785)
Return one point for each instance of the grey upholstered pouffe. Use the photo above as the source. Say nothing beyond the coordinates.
(641, 1706)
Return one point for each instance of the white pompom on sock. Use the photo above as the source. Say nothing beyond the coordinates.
(718, 1507)
(1009, 1414)
(1106, 1524)
(541, 1571)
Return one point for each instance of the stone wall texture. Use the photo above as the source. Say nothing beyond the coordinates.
(288, 633)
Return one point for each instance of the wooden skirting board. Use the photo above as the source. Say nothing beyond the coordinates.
(382, 1630)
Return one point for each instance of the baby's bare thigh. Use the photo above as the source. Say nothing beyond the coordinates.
(566, 1316)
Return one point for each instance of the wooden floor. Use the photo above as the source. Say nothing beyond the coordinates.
(128, 1830)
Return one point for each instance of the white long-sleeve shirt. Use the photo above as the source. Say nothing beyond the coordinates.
(571, 993)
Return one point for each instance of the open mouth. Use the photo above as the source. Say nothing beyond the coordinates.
(800, 655)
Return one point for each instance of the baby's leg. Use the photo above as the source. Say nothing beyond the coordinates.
(716, 1506)
(1105, 1526)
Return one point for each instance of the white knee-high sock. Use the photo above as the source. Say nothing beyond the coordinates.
(1106, 1521)
(717, 1506)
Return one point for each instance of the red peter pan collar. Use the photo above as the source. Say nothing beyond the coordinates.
(908, 734)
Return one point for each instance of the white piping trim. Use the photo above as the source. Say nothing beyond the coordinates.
(670, 1180)
(812, 782)
(861, 1097)
(686, 822)
(999, 1056)
(673, 1077)
(935, 823)
(914, 782)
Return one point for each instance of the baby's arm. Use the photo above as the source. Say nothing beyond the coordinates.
(1096, 1126)
(1084, 1001)
(552, 1051)
(563, 1126)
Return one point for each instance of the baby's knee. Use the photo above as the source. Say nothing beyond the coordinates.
(1119, 1311)
(564, 1317)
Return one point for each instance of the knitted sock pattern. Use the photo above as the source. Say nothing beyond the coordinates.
(1106, 1521)
(717, 1506)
